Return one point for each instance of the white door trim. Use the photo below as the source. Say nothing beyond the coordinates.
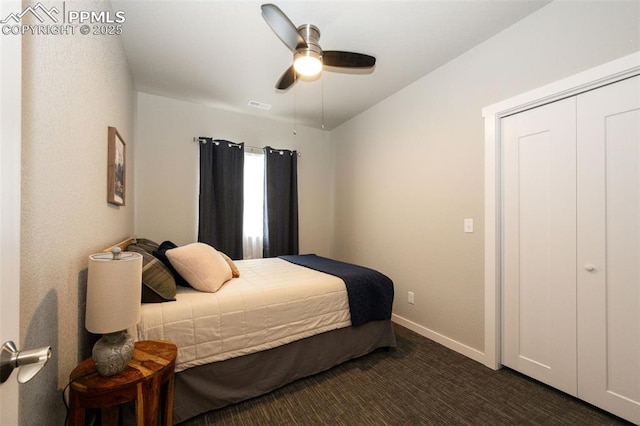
(610, 72)
(10, 146)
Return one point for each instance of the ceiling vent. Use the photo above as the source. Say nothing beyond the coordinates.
(259, 105)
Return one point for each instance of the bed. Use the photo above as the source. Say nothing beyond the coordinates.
(272, 321)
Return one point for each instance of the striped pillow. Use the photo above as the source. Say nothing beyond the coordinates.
(158, 284)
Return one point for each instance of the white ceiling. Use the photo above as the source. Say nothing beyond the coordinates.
(223, 54)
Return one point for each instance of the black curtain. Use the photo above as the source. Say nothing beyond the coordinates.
(280, 202)
(221, 195)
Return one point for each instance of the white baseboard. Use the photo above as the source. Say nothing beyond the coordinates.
(454, 345)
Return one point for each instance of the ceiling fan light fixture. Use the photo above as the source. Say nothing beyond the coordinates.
(307, 62)
(308, 57)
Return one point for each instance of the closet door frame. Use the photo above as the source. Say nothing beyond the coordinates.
(602, 75)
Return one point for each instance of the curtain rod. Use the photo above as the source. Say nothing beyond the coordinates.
(249, 148)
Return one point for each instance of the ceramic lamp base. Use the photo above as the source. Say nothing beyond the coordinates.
(112, 353)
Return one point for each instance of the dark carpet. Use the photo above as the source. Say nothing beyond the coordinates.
(418, 383)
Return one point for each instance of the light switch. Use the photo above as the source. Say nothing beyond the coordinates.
(468, 225)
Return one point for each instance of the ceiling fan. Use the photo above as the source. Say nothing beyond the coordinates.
(308, 56)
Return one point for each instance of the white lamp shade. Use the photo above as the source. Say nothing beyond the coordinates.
(113, 292)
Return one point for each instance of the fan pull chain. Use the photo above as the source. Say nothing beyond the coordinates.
(322, 100)
(295, 98)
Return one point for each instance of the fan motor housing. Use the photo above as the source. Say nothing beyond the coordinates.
(310, 34)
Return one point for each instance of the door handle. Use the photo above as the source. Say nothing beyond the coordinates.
(590, 268)
(29, 362)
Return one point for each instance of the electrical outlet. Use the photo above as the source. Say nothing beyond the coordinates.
(411, 298)
(468, 225)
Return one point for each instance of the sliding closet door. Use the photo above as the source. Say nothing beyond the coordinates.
(539, 247)
(609, 248)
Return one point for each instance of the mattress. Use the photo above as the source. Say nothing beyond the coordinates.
(272, 303)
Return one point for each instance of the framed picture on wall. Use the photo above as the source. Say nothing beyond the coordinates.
(116, 168)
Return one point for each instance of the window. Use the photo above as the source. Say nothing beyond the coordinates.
(253, 205)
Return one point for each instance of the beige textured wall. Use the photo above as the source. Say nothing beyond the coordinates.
(411, 168)
(74, 87)
(167, 164)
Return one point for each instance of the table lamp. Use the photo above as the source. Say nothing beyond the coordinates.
(114, 286)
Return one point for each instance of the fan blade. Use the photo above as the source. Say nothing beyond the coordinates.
(287, 79)
(282, 26)
(337, 58)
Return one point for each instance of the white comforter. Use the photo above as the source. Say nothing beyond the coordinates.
(274, 302)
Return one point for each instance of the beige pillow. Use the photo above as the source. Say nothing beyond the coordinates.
(235, 272)
(201, 265)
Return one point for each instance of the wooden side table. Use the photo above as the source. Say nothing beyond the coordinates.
(147, 380)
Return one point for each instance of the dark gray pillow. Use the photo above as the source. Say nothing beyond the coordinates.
(161, 254)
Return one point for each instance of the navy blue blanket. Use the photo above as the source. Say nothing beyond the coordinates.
(370, 293)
